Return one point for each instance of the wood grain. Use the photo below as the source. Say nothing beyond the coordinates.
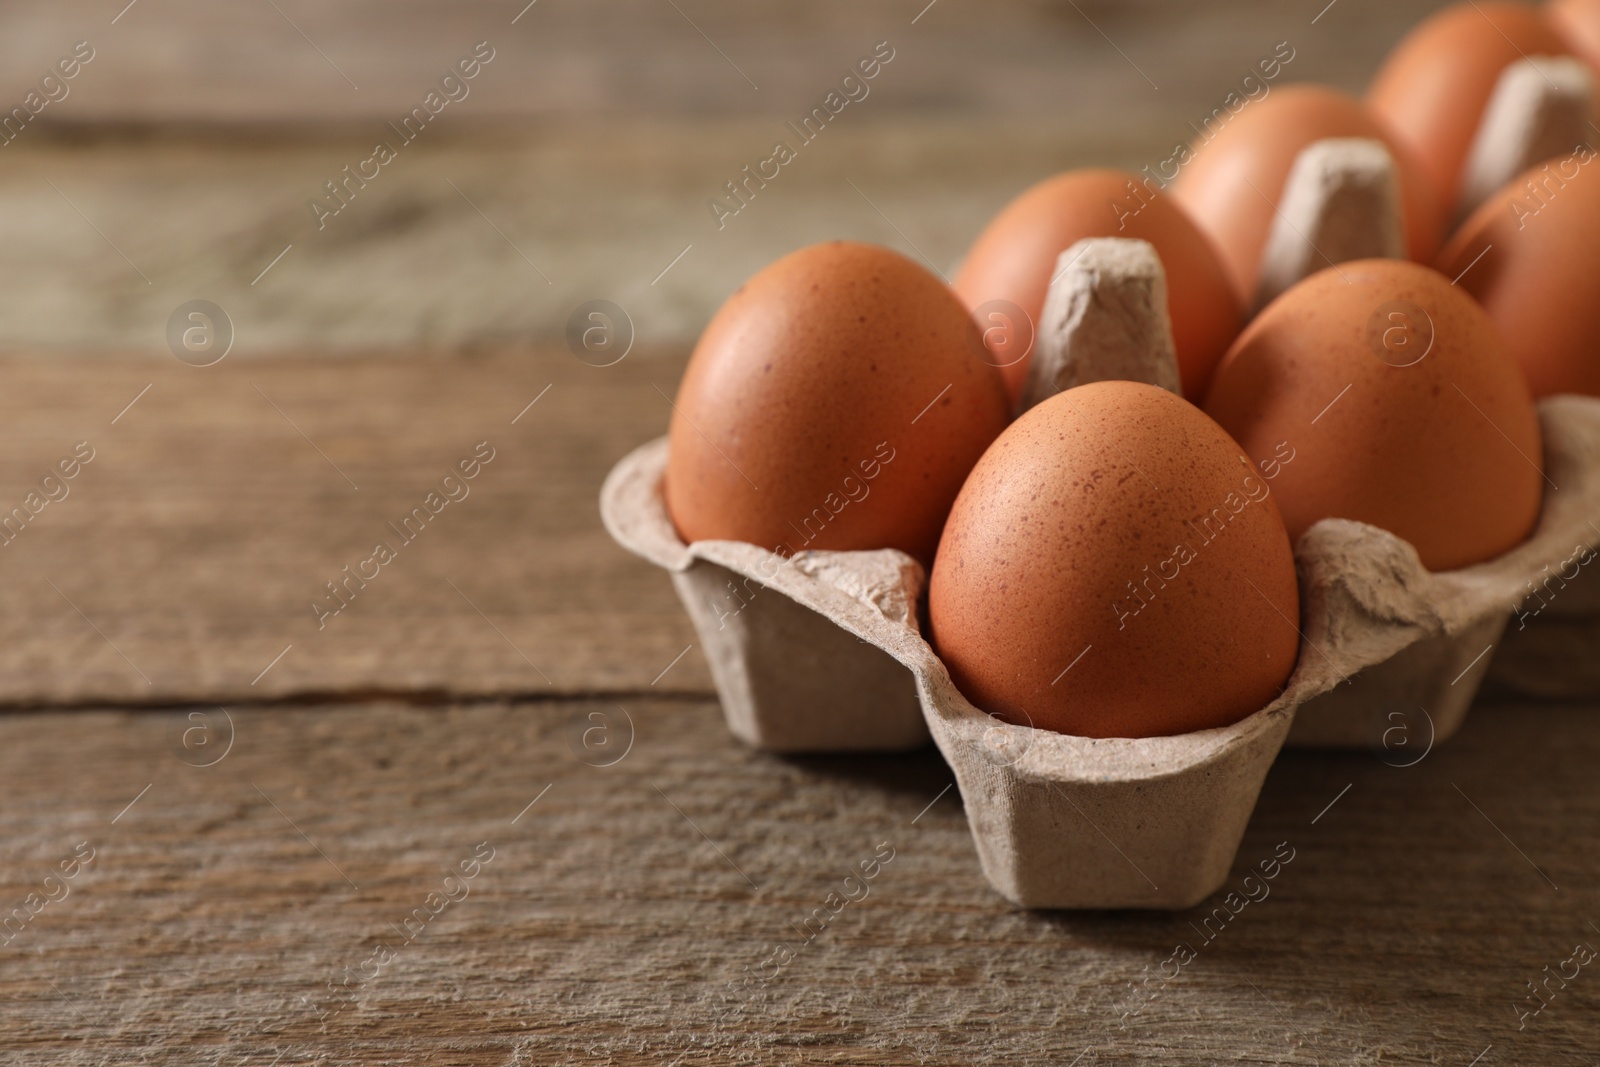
(268, 802)
(296, 61)
(620, 911)
(184, 161)
(188, 553)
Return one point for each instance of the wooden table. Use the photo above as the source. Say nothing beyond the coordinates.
(269, 818)
(259, 853)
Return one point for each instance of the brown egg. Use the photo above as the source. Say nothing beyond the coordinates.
(1233, 181)
(1115, 567)
(1015, 256)
(836, 401)
(1434, 86)
(1400, 404)
(1578, 24)
(1531, 254)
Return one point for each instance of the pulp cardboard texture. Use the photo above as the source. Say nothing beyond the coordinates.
(1104, 317)
(1426, 639)
(1340, 202)
(1072, 822)
(823, 651)
(1552, 656)
(793, 673)
(1541, 109)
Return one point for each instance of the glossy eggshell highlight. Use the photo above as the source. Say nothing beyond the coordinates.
(1079, 587)
(1433, 88)
(836, 401)
(1531, 255)
(1577, 22)
(1015, 257)
(1236, 174)
(1443, 452)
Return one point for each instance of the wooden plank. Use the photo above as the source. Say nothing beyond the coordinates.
(187, 554)
(472, 240)
(296, 61)
(620, 912)
(583, 162)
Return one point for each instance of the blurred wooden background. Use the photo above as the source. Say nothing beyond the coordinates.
(195, 138)
(248, 856)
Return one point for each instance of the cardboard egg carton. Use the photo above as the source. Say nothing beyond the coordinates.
(1415, 677)
(827, 654)
(823, 651)
(1071, 822)
(1105, 317)
(792, 672)
(1342, 202)
(1423, 667)
(1420, 642)
(1543, 107)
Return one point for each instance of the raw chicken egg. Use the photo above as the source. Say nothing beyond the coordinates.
(1233, 178)
(1402, 407)
(1116, 567)
(1578, 23)
(836, 401)
(1435, 85)
(1531, 254)
(1015, 256)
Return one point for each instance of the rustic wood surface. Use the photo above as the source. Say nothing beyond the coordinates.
(182, 164)
(187, 553)
(294, 61)
(622, 913)
(268, 804)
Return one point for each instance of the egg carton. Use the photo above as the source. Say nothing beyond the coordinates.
(827, 654)
(1341, 202)
(1105, 317)
(822, 651)
(1548, 648)
(1542, 108)
(792, 674)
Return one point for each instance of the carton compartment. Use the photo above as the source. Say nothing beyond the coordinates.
(790, 679)
(826, 653)
(1416, 698)
(792, 674)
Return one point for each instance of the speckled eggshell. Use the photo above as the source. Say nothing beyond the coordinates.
(1235, 176)
(1400, 405)
(1433, 88)
(1015, 257)
(1115, 567)
(1531, 255)
(836, 401)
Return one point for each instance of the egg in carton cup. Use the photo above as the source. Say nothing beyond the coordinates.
(823, 651)
(1542, 107)
(1341, 202)
(794, 668)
